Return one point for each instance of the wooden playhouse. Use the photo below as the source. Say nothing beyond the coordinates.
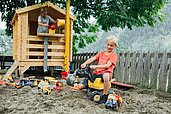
(28, 47)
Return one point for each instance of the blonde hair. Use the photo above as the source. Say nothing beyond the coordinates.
(114, 39)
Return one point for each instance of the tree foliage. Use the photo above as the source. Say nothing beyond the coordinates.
(5, 43)
(108, 13)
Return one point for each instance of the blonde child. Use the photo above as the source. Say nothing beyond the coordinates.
(107, 60)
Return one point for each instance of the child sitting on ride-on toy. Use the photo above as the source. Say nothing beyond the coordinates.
(107, 60)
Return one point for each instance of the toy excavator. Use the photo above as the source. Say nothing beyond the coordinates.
(95, 85)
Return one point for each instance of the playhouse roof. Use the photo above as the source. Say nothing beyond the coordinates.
(37, 6)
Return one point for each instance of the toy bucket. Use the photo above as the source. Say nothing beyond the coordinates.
(60, 22)
(51, 31)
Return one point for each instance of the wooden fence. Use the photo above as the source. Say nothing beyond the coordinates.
(149, 70)
(6, 62)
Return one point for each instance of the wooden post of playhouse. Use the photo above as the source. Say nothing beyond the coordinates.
(11, 69)
(67, 36)
(45, 53)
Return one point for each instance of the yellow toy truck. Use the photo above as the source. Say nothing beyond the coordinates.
(95, 85)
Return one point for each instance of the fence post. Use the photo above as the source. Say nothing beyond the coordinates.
(133, 68)
(3, 62)
(127, 68)
(122, 68)
(139, 70)
(163, 73)
(146, 71)
(154, 70)
(168, 85)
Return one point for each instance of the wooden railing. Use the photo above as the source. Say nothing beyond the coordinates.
(149, 70)
(6, 62)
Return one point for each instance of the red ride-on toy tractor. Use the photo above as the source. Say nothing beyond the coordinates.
(95, 85)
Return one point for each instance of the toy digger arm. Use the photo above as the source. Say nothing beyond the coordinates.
(90, 77)
(86, 72)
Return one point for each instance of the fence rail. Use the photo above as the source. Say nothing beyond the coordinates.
(150, 70)
(6, 62)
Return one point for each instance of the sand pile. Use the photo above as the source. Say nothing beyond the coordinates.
(27, 101)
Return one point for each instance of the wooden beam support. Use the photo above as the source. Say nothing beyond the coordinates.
(11, 70)
(23, 69)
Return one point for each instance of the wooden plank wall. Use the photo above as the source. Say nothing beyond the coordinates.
(35, 49)
(14, 39)
(19, 38)
(148, 70)
(24, 35)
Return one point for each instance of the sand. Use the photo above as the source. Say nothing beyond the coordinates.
(27, 101)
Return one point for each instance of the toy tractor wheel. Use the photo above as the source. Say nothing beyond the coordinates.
(70, 79)
(96, 96)
(89, 93)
